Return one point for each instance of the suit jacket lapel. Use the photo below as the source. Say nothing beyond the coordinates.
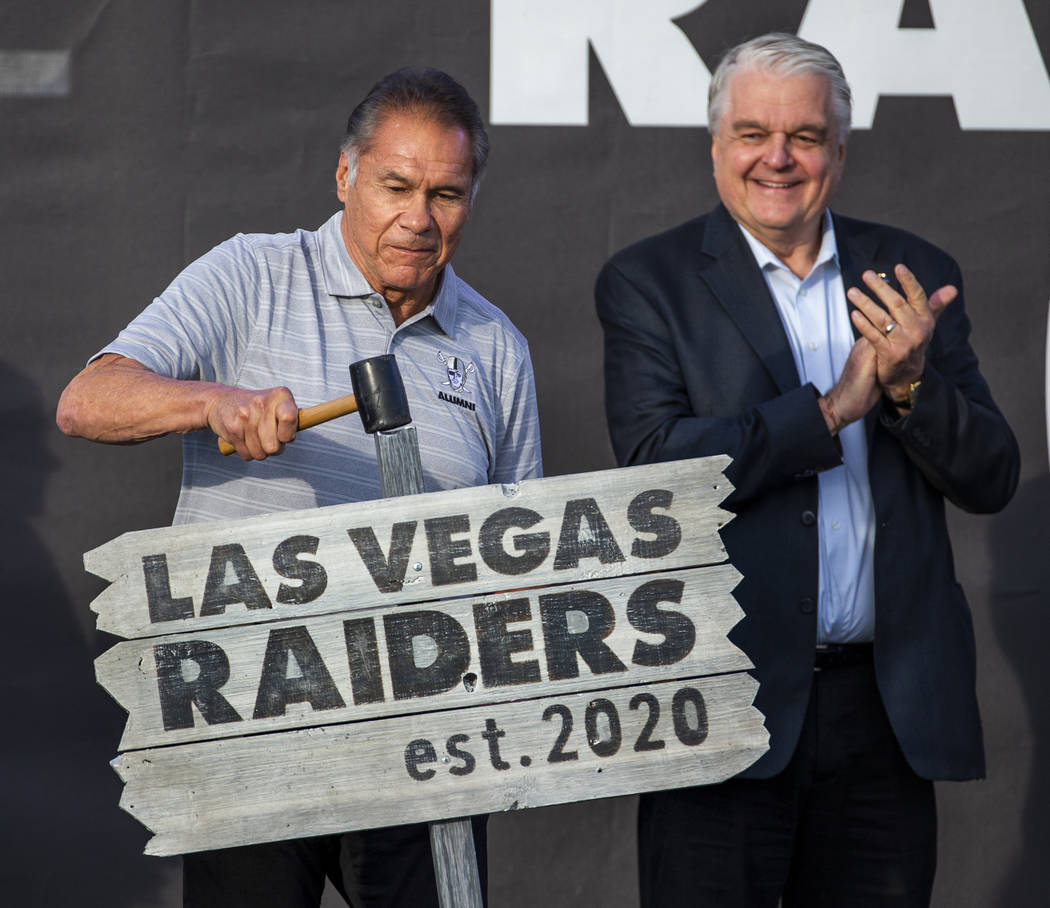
(858, 251)
(733, 277)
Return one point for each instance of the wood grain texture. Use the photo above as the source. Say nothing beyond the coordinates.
(429, 543)
(455, 864)
(426, 658)
(694, 646)
(500, 757)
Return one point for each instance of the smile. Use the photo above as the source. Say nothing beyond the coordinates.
(770, 184)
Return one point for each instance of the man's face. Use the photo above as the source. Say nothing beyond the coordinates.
(405, 212)
(778, 156)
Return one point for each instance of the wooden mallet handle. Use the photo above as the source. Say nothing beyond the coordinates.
(311, 416)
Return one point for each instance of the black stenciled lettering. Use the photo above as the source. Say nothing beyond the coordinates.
(445, 551)
(533, 548)
(602, 747)
(450, 661)
(466, 756)
(677, 629)
(387, 570)
(574, 544)
(665, 529)
(246, 588)
(458, 401)
(177, 695)
(312, 577)
(162, 605)
(558, 752)
(646, 741)
(313, 684)
(362, 652)
(492, 734)
(690, 729)
(418, 753)
(563, 644)
(496, 643)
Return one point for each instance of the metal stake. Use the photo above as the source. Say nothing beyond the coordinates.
(383, 406)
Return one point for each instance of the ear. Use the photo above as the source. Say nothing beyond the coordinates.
(342, 178)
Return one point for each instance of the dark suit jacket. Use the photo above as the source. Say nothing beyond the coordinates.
(697, 363)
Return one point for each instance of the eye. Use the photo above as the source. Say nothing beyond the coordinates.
(807, 141)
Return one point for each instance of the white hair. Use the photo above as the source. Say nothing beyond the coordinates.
(785, 55)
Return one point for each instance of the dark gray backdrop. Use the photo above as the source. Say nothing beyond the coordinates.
(180, 123)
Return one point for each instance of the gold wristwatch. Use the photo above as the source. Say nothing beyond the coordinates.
(913, 395)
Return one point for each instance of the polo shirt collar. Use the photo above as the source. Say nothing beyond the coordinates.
(343, 278)
(446, 301)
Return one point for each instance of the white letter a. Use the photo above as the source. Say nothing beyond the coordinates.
(981, 52)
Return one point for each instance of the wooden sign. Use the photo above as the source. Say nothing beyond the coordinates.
(410, 549)
(427, 657)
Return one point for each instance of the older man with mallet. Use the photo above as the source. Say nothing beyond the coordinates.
(265, 323)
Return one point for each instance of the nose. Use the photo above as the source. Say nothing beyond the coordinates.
(416, 215)
(777, 151)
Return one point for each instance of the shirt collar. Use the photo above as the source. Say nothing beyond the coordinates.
(342, 278)
(446, 301)
(766, 258)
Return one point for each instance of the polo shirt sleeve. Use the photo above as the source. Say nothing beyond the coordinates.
(199, 327)
(517, 453)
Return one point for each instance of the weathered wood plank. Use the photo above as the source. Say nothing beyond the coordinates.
(455, 864)
(437, 655)
(431, 766)
(459, 653)
(411, 549)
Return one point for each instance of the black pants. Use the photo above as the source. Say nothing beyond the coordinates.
(375, 868)
(847, 823)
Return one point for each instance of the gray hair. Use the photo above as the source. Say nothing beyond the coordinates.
(785, 55)
(429, 92)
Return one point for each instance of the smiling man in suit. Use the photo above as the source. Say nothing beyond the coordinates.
(804, 344)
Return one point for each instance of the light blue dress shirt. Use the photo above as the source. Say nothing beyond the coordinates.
(816, 319)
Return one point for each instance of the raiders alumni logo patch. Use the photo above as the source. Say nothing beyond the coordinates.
(456, 371)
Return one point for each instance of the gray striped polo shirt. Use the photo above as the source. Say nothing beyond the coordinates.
(260, 311)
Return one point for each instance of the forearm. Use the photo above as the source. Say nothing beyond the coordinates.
(773, 443)
(960, 442)
(652, 418)
(116, 400)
